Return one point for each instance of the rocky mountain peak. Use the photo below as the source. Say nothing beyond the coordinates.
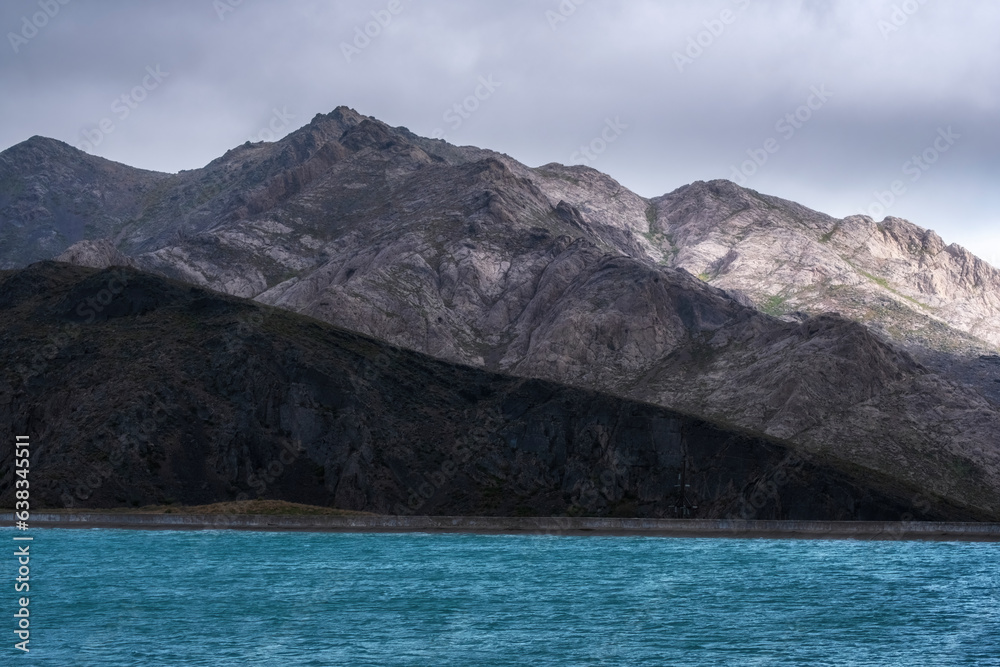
(331, 126)
(346, 116)
(38, 146)
(907, 235)
(894, 275)
(368, 134)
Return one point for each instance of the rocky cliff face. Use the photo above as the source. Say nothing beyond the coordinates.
(892, 275)
(140, 390)
(561, 273)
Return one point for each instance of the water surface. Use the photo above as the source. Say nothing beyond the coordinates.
(132, 597)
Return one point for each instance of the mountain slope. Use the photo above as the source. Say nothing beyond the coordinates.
(163, 392)
(277, 211)
(893, 275)
(53, 195)
(561, 273)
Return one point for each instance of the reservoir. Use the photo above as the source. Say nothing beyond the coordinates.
(163, 597)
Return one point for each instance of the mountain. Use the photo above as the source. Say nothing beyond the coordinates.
(899, 278)
(562, 274)
(266, 213)
(137, 389)
(53, 195)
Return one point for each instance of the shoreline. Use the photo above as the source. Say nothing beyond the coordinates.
(594, 526)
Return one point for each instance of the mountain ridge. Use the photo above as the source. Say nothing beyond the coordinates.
(906, 303)
(261, 402)
(712, 299)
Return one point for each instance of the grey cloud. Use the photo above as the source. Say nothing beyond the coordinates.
(898, 69)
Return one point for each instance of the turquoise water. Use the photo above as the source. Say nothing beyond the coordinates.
(116, 597)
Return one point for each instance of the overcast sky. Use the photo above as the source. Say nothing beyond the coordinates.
(825, 102)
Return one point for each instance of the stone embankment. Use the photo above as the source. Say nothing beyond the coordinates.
(864, 530)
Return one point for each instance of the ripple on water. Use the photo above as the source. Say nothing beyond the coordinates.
(116, 597)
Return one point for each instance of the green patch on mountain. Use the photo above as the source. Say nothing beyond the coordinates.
(554, 174)
(774, 305)
(882, 282)
(664, 242)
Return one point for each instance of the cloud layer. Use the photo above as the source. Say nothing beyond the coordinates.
(837, 105)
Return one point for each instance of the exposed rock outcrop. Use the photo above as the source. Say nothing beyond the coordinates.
(99, 254)
(893, 275)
